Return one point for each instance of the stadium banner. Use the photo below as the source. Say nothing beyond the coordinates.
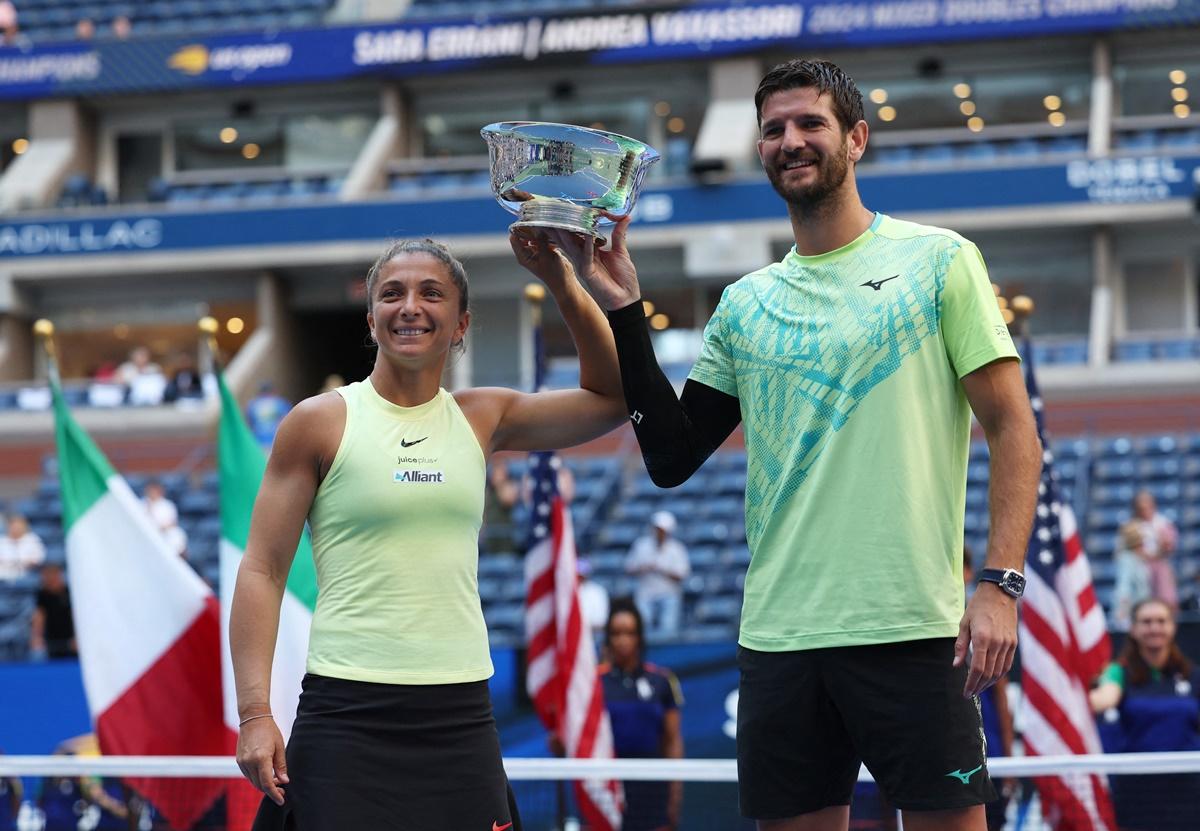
(698, 30)
(1134, 180)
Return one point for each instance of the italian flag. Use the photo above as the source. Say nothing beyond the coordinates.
(147, 627)
(241, 463)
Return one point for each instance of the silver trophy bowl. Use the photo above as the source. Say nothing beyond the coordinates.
(563, 176)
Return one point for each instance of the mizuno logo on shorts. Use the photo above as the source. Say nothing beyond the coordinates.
(965, 778)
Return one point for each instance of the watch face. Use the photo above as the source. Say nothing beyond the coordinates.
(1013, 583)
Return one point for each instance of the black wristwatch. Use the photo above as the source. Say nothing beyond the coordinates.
(1010, 581)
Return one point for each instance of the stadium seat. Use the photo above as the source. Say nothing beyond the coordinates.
(1137, 140)
(1071, 352)
(1159, 468)
(1181, 138)
(936, 153)
(980, 151)
(1119, 446)
(1133, 351)
(1113, 495)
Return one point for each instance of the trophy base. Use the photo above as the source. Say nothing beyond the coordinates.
(548, 213)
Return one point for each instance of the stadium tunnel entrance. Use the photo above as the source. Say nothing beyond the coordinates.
(331, 342)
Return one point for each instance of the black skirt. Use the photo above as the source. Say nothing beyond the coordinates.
(380, 757)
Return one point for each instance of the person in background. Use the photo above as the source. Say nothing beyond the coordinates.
(1133, 574)
(185, 382)
(11, 794)
(997, 720)
(139, 364)
(331, 383)
(593, 597)
(499, 500)
(52, 629)
(1155, 690)
(1159, 538)
(643, 703)
(142, 377)
(21, 550)
(660, 562)
(265, 411)
(8, 22)
(121, 27)
(165, 516)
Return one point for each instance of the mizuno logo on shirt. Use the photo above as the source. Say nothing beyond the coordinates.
(423, 476)
(404, 443)
(878, 284)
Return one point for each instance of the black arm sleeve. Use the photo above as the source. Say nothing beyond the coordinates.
(675, 435)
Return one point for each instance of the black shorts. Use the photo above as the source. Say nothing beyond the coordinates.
(392, 757)
(807, 719)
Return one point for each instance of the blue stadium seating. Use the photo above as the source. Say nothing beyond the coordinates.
(55, 20)
(1109, 471)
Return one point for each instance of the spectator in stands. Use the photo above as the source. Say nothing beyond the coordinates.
(331, 383)
(1159, 538)
(143, 377)
(997, 719)
(265, 413)
(121, 27)
(52, 630)
(186, 382)
(1133, 574)
(8, 22)
(11, 792)
(1155, 690)
(165, 516)
(593, 597)
(390, 474)
(643, 703)
(21, 550)
(660, 562)
(85, 29)
(854, 494)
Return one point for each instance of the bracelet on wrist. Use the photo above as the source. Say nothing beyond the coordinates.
(252, 718)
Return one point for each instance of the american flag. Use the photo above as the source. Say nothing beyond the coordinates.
(1064, 646)
(561, 677)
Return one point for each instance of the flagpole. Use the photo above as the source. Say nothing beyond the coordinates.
(535, 296)
(43, 329)
(209, 327)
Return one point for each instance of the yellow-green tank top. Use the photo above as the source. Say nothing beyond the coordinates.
(395, 531)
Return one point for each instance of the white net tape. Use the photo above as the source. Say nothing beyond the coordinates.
(649, 770)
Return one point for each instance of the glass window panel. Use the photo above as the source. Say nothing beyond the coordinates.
(997, 97)
(1056, 274)
(297, 142)
(233, 143)
(13, 136)
(1154, 295)
(325, 141)
(1158, 86)
(627, 103)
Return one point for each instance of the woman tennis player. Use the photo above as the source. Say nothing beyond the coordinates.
(394, 728)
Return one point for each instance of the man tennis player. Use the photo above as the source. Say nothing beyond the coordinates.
(854, 364)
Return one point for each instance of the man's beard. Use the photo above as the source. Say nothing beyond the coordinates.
(831, 173)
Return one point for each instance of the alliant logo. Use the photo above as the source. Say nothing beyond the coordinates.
(424, 476)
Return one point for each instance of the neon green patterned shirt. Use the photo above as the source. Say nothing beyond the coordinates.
(847, 367)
